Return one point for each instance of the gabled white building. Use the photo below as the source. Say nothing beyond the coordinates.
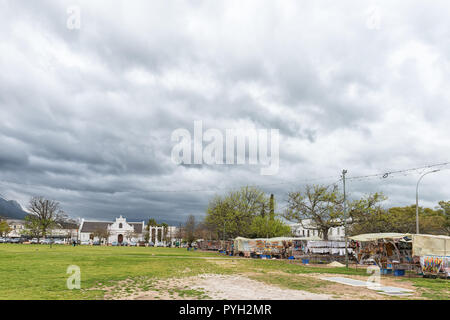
(119, 231)
(17, 228)
(300, 230)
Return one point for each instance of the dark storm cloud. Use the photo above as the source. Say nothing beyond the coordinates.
(86, 116)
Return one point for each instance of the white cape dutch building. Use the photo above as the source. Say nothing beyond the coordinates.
(119, 231)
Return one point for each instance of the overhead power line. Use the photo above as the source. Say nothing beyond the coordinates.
(403, 172)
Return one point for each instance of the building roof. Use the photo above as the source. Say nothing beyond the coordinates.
(19, 221)
(91, 226)
(137, 226)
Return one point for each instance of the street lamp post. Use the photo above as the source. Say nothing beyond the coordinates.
(417, 198)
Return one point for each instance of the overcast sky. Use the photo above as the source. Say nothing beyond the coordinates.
(86, 115)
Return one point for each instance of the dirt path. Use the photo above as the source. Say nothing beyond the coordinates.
(246, 286)
(207, 286)
(242, 288)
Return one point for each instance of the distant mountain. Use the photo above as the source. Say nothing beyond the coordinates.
(11, 209)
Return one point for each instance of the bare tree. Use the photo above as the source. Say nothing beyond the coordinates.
(179, 234)
(43, 215)
(189, 229)
(322, 208)
(131, 235)
(101, 234)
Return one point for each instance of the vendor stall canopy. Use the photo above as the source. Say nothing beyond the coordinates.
(266, 244)
(377, 236)
(431, 245)
(280, 238)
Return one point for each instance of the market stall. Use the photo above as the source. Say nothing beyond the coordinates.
(308, 248)
(392, 252)
(214, 245)
(280, 247)
(325, 251)
(434, 254)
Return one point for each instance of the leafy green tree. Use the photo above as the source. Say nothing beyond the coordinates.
(32, 227)
(444, 208)
(266, 227)
(401, 220)
(5, 228)
(375, 221)
(231, 215)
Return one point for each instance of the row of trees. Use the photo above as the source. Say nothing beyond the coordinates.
(403, 220)
(323, 207)
(249, 212)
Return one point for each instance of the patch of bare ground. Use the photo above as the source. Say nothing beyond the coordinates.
(346, 292)
(253, 285)
(206, 286)
(240, 287)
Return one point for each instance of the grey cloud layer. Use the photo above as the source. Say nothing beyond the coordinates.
(86, 115)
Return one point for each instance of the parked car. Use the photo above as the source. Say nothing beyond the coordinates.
(34, 241)
(96, 243)
(132, 244)
(114, 243)
(14, 240)
(85, 242)
(59, 241)
(2, 240)
(141, 243)
(151, 244)
(23, 240)
(47, 241)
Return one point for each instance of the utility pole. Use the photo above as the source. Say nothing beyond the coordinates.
(344, 172)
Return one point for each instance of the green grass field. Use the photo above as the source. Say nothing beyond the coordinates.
(39, 272)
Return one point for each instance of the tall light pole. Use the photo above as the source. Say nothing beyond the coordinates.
(417, 198)
(344, 172)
